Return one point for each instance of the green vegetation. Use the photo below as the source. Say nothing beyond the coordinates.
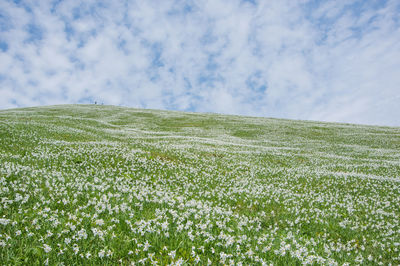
(88, 184)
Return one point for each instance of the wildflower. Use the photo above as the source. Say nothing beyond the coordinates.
(109, 253)
(146, 246)
(179, 262)
(99, 222)
(250, 253)
(4, 221)
(151, 255)
(82, 234)
(164, 226)
(46, 248)
(172, 254)
(75, 249)
(101, 253)
(49, 234)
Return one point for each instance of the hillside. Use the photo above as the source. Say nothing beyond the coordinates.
(90, 184)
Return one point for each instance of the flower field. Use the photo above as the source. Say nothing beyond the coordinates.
(90, 184)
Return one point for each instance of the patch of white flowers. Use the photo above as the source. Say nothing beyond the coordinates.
(144, 187)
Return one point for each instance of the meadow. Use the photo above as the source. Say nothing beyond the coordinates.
(91, 184)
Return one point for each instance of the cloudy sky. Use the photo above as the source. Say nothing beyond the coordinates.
(314, 60)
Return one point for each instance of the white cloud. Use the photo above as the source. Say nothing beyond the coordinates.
(332, 61)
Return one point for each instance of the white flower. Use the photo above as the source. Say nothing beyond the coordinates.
(101, 253)
(172, 254)
(164, 226)
(46, 248)
(4, 221)
(179, 262)
(75, 248)
(99, 222)
(82, 234)
(146, 246)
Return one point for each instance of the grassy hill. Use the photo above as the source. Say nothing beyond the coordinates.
(89, 184)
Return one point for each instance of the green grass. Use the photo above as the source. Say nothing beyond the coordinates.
(89, 184)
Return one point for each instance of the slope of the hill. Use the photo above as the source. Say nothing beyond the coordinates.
(104, 185)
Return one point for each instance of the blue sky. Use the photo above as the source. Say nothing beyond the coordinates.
(314, 60)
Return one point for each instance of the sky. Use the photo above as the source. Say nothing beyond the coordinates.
(335, 61)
